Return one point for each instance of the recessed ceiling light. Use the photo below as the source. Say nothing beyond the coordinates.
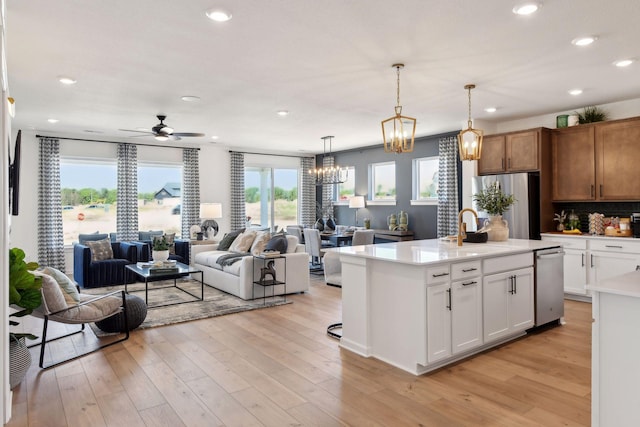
(190, 98)
(575, 92)
(218, 15)
(584, 41)
(214, 137)
(624, 63)
(65, 80)
(53, 120)
(527, 8)
(490, 109)
(283, 113)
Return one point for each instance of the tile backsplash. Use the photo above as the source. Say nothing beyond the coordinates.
(583, 209)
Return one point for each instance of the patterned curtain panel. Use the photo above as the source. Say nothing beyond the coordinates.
(448, 187)
(127, 197)
(50, 232)
(307, 195)
(190, 208)
(238, 215)
(327, 190)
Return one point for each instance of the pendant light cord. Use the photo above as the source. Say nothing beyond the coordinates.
(398, 87)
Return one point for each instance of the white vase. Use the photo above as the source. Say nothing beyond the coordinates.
(160, 256)
(498, 228)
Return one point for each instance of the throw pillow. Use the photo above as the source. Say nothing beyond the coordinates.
(100, 250)
(147, 236)
(243, 242)
(53, 297)
(260, 242)
(277, 243)
(228, 239)
(67, 285)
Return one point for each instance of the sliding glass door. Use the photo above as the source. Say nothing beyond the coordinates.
(271, 196)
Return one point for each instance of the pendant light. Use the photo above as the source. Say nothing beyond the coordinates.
(329, 173)
(398, 132)
(470, 139)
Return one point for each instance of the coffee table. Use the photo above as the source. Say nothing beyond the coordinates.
(145, 273)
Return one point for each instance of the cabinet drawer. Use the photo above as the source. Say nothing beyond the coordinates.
(507, 263)
(438, 274)
(615, 245)
(568, 242)
(465, 269)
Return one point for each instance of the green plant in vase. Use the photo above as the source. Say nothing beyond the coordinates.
(493, 200)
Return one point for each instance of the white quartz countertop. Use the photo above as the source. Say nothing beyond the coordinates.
(627, 284)
(433, 251)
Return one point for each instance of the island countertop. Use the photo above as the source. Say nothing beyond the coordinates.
(626, 285)
(433, 251)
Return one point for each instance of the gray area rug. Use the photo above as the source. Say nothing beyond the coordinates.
(216, 302)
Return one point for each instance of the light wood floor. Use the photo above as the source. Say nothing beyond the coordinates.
(277, 367)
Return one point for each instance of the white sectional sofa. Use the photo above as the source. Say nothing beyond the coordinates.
(237, 278)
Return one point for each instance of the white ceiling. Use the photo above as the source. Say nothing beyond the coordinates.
(327, 62)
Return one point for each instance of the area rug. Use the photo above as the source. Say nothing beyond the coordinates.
(216, 302)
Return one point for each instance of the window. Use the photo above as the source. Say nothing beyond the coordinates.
(425, 180)
(347, 189)
(382, 181)
(88, 197)
(160, 197)
(271, 196)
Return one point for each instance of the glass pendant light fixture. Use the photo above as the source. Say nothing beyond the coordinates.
(470, 139)
(398, 132)
(329, 173)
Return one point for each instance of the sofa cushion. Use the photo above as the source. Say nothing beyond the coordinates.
(53, 296)
(277, 243)
(209, 258)
(228, 239)
(243, 242)
(68, 286)
(100, 249)
(260, 242)
(83, 238)
(292, 243)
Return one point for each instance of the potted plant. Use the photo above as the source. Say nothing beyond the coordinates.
(591, 114)
(24, 292)
(495, 202)
(160, 247)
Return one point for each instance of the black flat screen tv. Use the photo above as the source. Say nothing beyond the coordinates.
(14, 176)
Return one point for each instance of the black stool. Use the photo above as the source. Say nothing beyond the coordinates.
(136, 313)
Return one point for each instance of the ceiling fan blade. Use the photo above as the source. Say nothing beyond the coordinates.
(138, 131)
(188, 134)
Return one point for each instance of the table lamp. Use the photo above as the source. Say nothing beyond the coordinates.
(356, 202)
(208, 213)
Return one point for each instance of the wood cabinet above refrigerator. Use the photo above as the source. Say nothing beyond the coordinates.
(513, 152)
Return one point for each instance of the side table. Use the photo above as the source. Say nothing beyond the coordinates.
(268, 275)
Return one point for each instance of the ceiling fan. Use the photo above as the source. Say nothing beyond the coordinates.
(162, 132)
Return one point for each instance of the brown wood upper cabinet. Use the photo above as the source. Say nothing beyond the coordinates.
(510, 152)
(597, 161)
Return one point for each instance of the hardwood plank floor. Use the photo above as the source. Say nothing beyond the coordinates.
(277, 367)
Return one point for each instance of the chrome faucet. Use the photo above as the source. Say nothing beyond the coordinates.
(462, 226)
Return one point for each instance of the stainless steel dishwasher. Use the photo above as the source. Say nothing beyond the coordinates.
(549, 285)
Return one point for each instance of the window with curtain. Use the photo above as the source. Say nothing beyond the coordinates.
(271, 196)
(160, 197)
(89, 193)
(382, 181)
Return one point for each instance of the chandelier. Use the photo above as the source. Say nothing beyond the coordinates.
(329, 173)
(398, 132)
(470, 139)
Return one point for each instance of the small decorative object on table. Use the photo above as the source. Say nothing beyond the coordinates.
(560, 218)
(495, 202)
(268, 270)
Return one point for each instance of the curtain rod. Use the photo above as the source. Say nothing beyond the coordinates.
(110, 142)
(266, 154)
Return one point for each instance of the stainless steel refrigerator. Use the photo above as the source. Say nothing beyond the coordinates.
(524, 216)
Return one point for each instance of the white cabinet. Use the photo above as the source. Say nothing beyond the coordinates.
(454, 310)
(589, 260)
(507, 296)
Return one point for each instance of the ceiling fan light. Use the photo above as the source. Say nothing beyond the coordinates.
(161, 138)
(527, 8)
(218, 15)
(167, 130)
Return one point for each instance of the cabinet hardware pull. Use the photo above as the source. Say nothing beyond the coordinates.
(591, 261)
(511, 285)
(592, 188)
(515, 284)
(583, 260)
(613, 246)
(469, 283)
(502, 163)
(600, 190)
(466, 270)
(449, 295)
(509, 163)
(440, 275)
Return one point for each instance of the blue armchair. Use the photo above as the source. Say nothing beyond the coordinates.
(93, 274)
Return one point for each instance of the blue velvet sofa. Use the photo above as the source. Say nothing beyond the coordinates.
(93, 274)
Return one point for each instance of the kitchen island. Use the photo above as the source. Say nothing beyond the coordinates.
(420, 305)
